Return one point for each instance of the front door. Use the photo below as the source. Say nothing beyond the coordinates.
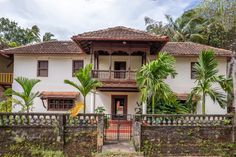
(119, 107)
(120, 68)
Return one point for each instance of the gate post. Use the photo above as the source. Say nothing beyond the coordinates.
(137, 132)
(100, 129)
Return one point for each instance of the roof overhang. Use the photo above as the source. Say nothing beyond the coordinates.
(86, 43)
(64, 95)
(4, 55)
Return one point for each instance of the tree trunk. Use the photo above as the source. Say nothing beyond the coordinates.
(84, 104)
(153, 104)
(204, 103)
(27, 109)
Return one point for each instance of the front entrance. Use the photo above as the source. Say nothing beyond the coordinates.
(119, 107)
(118, 130)
(118, 124)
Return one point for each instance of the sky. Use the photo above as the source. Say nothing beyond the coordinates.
(65, 18)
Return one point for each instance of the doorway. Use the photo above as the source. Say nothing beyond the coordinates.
(120, 69)
(119, 107)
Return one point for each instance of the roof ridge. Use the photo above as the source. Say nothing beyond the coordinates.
(118, 27)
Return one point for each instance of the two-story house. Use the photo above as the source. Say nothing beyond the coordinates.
(116, 54)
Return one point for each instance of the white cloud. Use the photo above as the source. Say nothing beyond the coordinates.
(65, 18)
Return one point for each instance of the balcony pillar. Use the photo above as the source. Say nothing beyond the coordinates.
(129, 63)
(144, 107)
(110, 62)
(92, 101)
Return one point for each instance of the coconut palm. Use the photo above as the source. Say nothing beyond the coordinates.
(48, 36)
(206, 78)
(87, 83)
(26, 96)
(188, 27)
(150, 79)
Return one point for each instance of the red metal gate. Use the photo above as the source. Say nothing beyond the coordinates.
(118, 127)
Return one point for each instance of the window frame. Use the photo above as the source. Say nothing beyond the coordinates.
(193, 77)
(73, 66)
(63, 104)
(38, 68)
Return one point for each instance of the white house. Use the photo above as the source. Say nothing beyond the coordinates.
(116, 54)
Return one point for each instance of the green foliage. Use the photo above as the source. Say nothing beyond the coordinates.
(14, 35)
(206, 77)
(87, 83)
(172, 106)
(100, 110)
(150, 80)
(6, 104)
(48, 36)
(211, 22)
(26, 97)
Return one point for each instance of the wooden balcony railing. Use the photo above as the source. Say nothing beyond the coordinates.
(109, 75)
(6, 78)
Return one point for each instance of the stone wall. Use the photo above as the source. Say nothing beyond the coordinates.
(187, 140)
(48, 135)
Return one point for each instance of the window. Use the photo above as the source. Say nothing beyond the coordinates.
(60, 104)
(193, 71)
(77, 64)
(43, 68)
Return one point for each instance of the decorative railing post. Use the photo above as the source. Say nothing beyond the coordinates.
(136, 132)
(100, 127)
(233, 127)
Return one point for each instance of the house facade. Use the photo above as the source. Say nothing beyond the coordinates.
(116, 54)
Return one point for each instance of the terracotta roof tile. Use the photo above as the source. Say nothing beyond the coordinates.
(70, 47)
(192, 49)
(50, 47)
(119, 33)
(45, 95)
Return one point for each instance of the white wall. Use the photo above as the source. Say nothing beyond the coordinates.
(60, 68)
(183, 83)
(104, 99)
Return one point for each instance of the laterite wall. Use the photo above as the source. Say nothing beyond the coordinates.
(187, 140)
(43, 141)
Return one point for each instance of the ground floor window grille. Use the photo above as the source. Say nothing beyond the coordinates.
(60, 104)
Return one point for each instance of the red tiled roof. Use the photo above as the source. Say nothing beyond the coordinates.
(71, 95)
(70, 47)
(49, 47)
(192, 49)
(119, 33)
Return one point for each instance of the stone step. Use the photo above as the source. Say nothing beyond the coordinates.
(118, 154)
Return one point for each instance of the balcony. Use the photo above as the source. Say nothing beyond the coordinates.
(116, 80)
(114, 75)
(6, 78)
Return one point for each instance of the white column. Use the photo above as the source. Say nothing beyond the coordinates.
(92, 101)
(144, 106)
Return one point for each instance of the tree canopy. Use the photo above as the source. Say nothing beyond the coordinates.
(11, 34)
(211, 22)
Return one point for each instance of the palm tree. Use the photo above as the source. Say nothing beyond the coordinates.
(150, 79)
(206, 77)
(48, 36)
(87, 83)
(26, 96)
(188, 27)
